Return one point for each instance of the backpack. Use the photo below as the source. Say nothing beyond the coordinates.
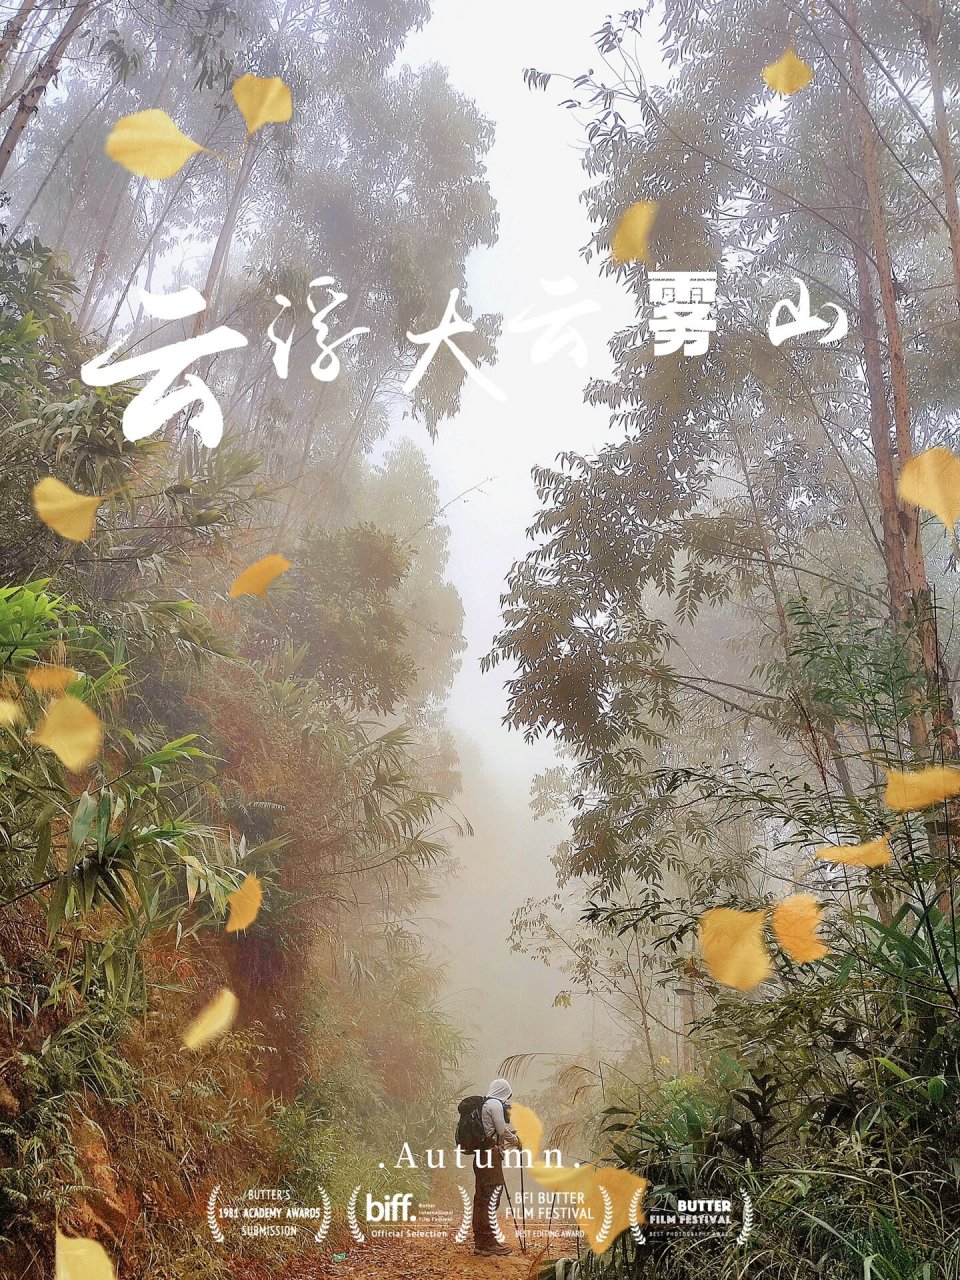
(471, 1135)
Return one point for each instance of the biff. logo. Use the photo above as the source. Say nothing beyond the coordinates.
(395, 1208)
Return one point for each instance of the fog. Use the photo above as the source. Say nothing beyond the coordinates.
(487, 452)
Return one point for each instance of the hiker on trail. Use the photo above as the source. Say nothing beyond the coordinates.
(485, 1130)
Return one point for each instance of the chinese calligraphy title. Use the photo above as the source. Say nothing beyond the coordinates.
(682, 320)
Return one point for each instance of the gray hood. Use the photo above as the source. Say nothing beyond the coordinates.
(500, 1089)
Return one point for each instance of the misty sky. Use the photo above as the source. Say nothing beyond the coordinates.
(536, 178)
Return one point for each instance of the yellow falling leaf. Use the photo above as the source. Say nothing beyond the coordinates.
(255, 580)
(632, 233)
(795, 922)
(51, 679)
(11, 713)
(150, 144)
(72, 732)
(244, 904)
(603, 1198)
(733, 947)
(788, 74)
(528, 1128)
(920, 789)
(80, 1259)
(932, 480)
(70, 514)
(874, 853)
(213, 1021)
(262, 101)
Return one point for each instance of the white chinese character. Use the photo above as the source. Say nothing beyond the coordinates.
(450, 325)
(559, 332)
(157, 403)
(803, 322)
(682, 311)
(326, 367)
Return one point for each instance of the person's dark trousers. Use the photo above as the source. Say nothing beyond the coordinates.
(488, 1180)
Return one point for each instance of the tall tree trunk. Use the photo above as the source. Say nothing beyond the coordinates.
(945, 153)
(64, 148)
(30, 98)
(893, 551)
(92, 297)
(11, 32)
(225, 237)
(920, 597)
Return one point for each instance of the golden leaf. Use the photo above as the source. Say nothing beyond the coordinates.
(213, 1021)
(51, 679)
(80, 1259)
(875, 853)
(244, 904)
(632, 233)
(528, 1127)
(920, 789)
(149, 143)
(262, 101)
(72, 732)
(795, 922)
(65, 512)
(932, 480)
(733, 947)
(255, 580)
(788, 74)
(11, 713)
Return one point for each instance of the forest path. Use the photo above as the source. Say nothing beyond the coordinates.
(433, 1260)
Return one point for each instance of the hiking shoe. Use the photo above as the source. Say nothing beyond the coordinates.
(494, 1251)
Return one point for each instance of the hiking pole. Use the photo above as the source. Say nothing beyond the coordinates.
(503, 1182)
(523, 1205)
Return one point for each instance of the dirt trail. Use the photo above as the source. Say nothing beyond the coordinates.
(440, 1260)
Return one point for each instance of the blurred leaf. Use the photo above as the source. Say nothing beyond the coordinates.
(70, 514)
(795, 922)
(630, 239)
(51, 679)
(920, 789)
(733, 947)
(244, 904)
(932, 480)
(11, 713)
(255, 580)
(214, 1021)
(72, 732)
(81, 1259)
(874, 853)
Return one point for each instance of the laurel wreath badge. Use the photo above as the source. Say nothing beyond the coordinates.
(607, 1222)
(327, 1216)
(464, 1228)
(352, 1222)
(636, 1230)
(492, 1216)
(747, 1227)
(212, 1215)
